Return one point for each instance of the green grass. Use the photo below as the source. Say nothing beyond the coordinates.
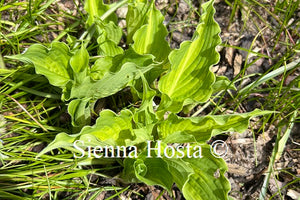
(31, 113)
(278, 93)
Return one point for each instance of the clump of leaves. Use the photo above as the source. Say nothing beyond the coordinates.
(179, 77)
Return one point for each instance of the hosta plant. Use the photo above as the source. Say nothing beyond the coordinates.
(153, 143)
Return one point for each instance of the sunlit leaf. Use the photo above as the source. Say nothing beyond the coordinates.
(52, 63)
(62, 140)
(150, 38)
(200, 129)
(135, 18)
(111, 128)
(144, 115)
(110, 83)
(153, 171)
(95, 9)
(208, 180)
(190, 79)
(109, 38)
(109, 64)
(180, 171)
(80, 64)
(80, 60)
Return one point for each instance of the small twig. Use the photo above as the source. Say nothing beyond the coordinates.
(22, 107)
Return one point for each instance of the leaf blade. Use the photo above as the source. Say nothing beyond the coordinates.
(200, 129)
(108, 85)
(208, 180)
(150, 38)
(112, 128)
(154, 171)
(52, 63)
(190, 79)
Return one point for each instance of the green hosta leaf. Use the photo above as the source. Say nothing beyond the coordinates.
(111, 128)
(180, 171)
(208, 180)
(109, 38)
(199, 178)
(80, 60)
(182, 137)
(62, 140)
(190, 79)
(101, 67)
(135, 18)
(128, 173)
(230, 123)
(113, 64)
(78, 145)
(153, 171)
(208, 163)
(150, 38)
(145, 114)
(108, 47)
(80, 64)
(179, 129)
(113, 32)
(199, 186)
(150, 76)
(110, 83)
(95, 9)
(140, 168)
(52, 63)
(222, 83)
(141, 135)
(80, 112)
